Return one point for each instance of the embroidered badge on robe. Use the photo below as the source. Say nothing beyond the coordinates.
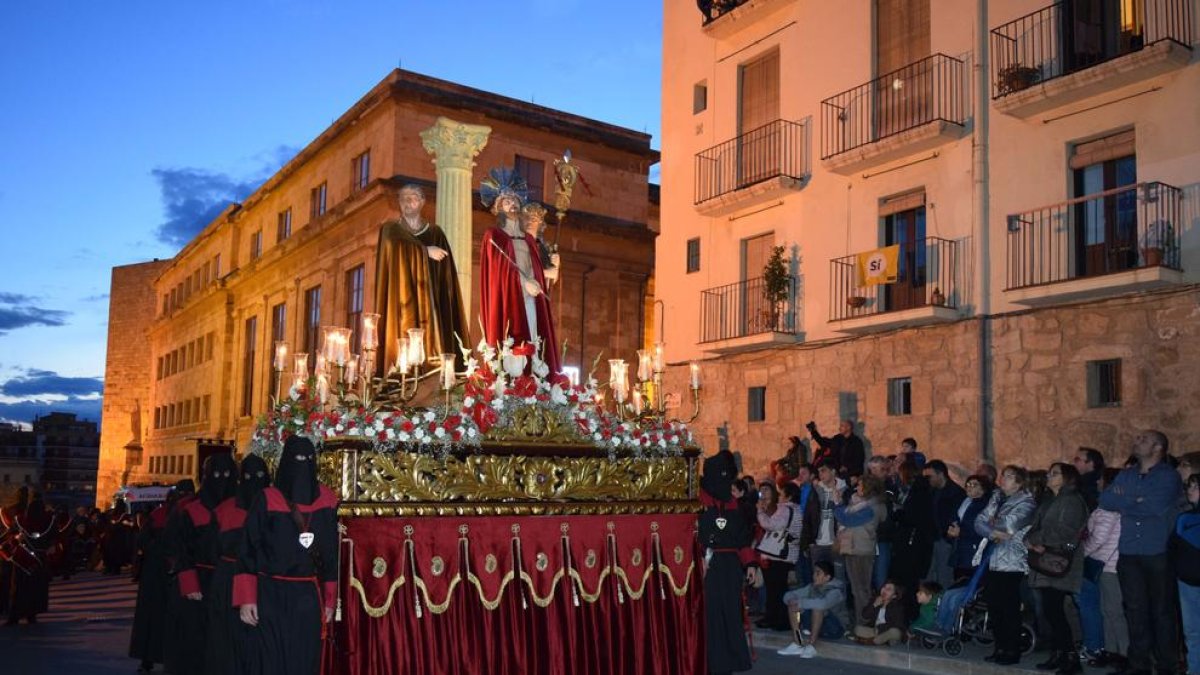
(306, 539)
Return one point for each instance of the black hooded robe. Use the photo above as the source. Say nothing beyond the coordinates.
(726, 536)
(31, 586)
(150, 612)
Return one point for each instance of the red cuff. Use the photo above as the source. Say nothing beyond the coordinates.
(245, 590)
(330, 594)
(747, 555)
(189, 582)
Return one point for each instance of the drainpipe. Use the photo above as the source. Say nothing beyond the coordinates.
(980, 207)
(583, 320)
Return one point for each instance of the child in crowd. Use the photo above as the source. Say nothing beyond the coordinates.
(882, 622)
(929, 595)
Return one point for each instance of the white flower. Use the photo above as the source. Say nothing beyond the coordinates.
(530, 400)
(471, 365)
(468, 402)
(391, 434)
(498, 403)
(470, 432)
(298, 421)
(557, 396)
(540, 368)
(378, 424)
(514, 365)
(354, 431)
(403, 436)
(340, 427)
(439, 432)
(419, 433)
(429, 416)
(597, 436)
(330, 433)
(662, 442)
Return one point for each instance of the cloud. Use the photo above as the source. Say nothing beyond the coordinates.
(25, 411)
(16, 311)
(38, 384)
(193, 197)
(99, 297)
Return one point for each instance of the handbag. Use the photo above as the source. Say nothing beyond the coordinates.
(774, 544)
(1053, 562)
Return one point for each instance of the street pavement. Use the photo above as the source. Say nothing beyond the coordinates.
(86, 631)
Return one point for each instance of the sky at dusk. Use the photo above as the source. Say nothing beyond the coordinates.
(125, 125)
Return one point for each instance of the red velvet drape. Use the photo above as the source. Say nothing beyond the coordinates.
(617, 595)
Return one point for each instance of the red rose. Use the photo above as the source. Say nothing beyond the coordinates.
(456, 435)
(452, 421)
(485, 417)
(382, 435)
(431, 427)
(523, 349)
(524, 386)
(407, 426)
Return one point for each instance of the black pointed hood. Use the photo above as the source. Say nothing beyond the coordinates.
(218, 480)
(255, 476)
(720, 471)
(297, 474)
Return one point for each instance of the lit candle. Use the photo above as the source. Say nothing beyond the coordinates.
(351, 370)
(322, 387)
(448, 374)
(281, 356)
(637, 401)
(370, 332)
(660, 363)
(300, 366)
(402, 355)
(645, 365)
(416, 348)
(320, 366)
(695, 368)
(341, 346)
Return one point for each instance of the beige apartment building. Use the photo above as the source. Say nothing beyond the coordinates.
(1032, 169)
(189, 364)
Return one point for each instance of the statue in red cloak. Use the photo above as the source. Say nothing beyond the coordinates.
(513, 298)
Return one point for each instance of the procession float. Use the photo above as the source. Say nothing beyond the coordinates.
(498, 516)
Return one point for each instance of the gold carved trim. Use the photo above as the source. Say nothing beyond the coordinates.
(540, 601)
(634, 595)
(590, 597)
(679, 591)
(437, 608)
(411, 509)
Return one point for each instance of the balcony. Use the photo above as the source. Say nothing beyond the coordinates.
(1117, 241)
(915, 108)
(723, 18)
(1073, 50)
(761, 164)
(738, 317)
(925, 290)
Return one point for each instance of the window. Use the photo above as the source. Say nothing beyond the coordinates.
(312, 322)
(187, 412)
(899, 396)
(758, 92)
(1104, 383)
(207, 409)
(354, 306)
(757, 404)
(360, 171)
(208, 349)
(157, 417)
(1105, 227)
(251, 337)
(207, 275)
(316, 201)
(693, 255)
(283, 225)
(256, 244)
(188, 467)
(534, 173)
(159, 369)
(278, 331)
(216, 267)
(700, 97)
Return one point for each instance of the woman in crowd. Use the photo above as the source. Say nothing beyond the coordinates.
(286, 584)
(858, 519)
(1185, 555)
(913, 533)
(1056, 530)
(1100, 605)
(1004, 521)
(962, 531)
(775, 515)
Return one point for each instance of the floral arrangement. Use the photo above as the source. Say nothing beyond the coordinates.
(498, 383)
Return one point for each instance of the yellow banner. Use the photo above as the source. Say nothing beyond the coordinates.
(880, 266)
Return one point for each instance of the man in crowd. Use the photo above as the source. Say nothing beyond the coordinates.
(1148, 496)
(819, 527)
(1090, 464)
(813, 611)
(909, 452)
(947, 497)
(845, 451)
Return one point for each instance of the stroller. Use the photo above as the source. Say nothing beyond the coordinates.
(969, 620)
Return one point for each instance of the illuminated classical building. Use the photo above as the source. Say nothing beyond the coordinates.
(1031, 167)
(190, 339)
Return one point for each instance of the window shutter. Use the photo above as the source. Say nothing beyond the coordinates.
(901, 33)
(1103, 149)
(759, 92)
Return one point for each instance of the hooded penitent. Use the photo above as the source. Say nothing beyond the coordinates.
(720, 471)
(255, 477)
(218, 480)
(297, 474)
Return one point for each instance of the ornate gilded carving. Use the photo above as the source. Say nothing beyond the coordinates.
(538, 425)
(410, 509)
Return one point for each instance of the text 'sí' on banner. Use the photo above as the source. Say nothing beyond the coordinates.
(879, 266)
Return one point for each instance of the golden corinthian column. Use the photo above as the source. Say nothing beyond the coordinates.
(454, 146)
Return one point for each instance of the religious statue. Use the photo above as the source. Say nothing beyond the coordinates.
(416, 283)
(512, 296)
(533, 220)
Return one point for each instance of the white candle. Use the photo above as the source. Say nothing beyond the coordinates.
(695, 368)
(300, 366)
(402, 355)
(281, 356)
(370, 332)
(645, 365)
(637, 401)
(416, 348)
(351, 370)
(448, 374)
(660, 363)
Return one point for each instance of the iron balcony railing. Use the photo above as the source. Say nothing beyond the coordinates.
(773, 150)
(927, 91)
(715, 9)
(1113, 231)
(927, 273)
(1071, 36)
(743, 309)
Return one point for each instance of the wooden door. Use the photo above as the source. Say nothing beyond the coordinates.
(906, 229)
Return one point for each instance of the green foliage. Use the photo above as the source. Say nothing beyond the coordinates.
(777, 283)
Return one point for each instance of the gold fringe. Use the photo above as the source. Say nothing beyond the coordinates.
(539, 601)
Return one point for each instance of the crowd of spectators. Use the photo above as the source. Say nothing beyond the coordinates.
(1103, 563)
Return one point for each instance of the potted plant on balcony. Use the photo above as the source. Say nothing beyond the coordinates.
(1017, 76)
(856, 301)
(937, 297)
(777, 285)
(1158, 244)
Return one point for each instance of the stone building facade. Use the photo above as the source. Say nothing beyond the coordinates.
(1039, 190)
(299, 253)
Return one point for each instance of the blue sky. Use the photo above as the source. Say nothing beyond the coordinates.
(124, 122)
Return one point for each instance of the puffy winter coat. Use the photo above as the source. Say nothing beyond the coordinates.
(1012, 516)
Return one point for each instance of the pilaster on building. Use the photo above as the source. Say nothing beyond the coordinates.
(1029, 166)
(191, 342)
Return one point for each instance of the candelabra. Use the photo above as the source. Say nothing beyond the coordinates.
(649, 399)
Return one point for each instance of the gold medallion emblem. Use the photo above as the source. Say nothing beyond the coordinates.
(678, 555)
(437, 566)
(542, 562)
(590, 560)
(378, 567)
(489, 564)
(636, 557)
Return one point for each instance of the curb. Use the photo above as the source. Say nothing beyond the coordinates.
(915, 658)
